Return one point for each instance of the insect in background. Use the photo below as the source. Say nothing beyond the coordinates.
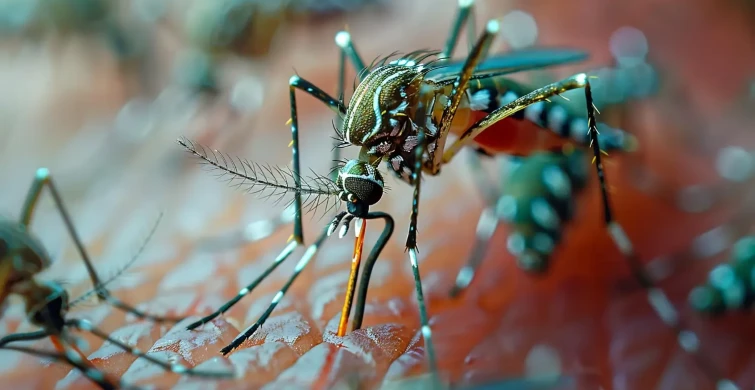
(397, 106)
(537, 200)
(125, 35)
(22, 257)
(218, 29)
(731, 284)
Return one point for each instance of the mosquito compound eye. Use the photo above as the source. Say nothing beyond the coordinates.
(361, 181)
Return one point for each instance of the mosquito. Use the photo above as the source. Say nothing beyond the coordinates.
(22, 257)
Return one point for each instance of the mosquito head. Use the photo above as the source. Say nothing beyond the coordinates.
(47, 304)
(361, 186)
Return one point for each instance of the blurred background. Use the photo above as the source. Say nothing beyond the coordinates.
(99, 90)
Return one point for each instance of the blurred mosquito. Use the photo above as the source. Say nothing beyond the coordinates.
(95, 18)
(730, 285)
(227, 28)
(22, 257)
(401, 112)
(538, 200)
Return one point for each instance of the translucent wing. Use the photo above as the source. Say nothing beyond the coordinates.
(512, 62)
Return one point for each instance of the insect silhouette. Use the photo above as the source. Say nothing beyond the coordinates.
(402, 112)
(22, 257)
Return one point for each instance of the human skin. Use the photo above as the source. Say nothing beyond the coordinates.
(579, 308)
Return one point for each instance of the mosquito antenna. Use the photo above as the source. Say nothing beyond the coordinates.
(120, 271)
(260, 177)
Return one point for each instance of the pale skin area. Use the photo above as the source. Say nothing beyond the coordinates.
(44, 112)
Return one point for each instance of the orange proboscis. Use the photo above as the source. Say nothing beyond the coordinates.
(355, 262)
(58, 344)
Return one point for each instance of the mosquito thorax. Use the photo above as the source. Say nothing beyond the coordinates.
(361, 186)
(382, 106)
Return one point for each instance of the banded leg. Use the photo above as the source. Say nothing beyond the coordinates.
(460, 88)
(507, 110)
(343, 41)
(463, 13)
(488, 222)
(177, 368)
(657, 298)
(411, 246)
(308, 255)
(43, 178)
(73, 360)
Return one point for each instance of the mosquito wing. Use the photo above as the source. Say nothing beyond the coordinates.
(512, 62)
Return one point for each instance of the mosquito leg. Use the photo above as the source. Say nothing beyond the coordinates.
(466, 8)
(92, 374)
(295, 83)
(177, 368)
(308, 255)
(341, 93)
(507, 110)
(343, 40)
(249, 288)
(488, 222)
(460, 88)
(43, 178)
(486, 226)
(370, 263)
(31, 336)
(657, 298)
(411, 246)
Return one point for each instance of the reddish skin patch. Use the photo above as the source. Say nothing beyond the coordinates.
(510, 136)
